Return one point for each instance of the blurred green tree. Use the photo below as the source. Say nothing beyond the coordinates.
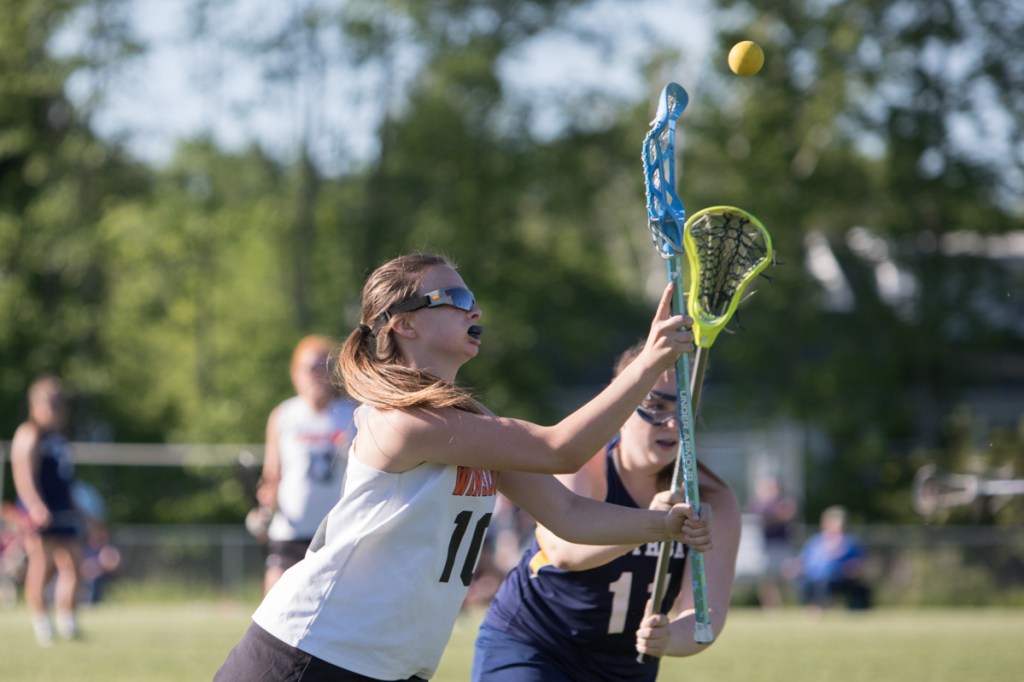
(879, 138)
(56, 179)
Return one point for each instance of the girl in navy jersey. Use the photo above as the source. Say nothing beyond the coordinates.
(572, 612)
(379, 591)
(43, 472)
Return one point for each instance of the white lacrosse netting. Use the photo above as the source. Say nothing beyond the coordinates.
(934, 490)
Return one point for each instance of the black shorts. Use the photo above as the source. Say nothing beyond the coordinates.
(284, 554)
(261, 657)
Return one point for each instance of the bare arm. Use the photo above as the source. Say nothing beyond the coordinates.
(24, 466)
(586, 521)
(588, 482)
(399, 440)
(266, 494)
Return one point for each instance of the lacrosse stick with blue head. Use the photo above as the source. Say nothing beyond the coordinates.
(726, 248)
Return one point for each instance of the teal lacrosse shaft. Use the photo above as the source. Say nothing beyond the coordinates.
(684, 478)
(666, 218)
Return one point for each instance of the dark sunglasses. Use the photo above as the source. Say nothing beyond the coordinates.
(320, 365)
(457, 297)
(658, 416)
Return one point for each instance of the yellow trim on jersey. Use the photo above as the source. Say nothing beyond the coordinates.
(539, 560)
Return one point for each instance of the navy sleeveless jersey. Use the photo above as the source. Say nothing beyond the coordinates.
(55, 476)
(586, 619)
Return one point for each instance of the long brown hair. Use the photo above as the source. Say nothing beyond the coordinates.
(371, 367)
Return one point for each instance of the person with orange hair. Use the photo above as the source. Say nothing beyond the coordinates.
(307, 442)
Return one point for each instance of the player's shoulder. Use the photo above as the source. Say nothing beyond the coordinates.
(294, 405)
(27, 435)
(408, 421)
(277, 414)
(418, 432)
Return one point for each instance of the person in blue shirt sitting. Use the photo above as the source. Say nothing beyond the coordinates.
(832, 565)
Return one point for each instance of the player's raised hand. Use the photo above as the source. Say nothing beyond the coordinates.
(670, 334)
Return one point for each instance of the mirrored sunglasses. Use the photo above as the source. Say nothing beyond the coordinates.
(457, 297)
(319, 365)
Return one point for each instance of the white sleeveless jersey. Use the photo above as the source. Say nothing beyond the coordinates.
(313, 447)
(382, 584)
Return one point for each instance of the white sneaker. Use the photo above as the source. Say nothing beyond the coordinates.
(43, 630)
(67, 626)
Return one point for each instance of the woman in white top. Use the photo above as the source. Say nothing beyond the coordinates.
(379, 591)
(304, 462)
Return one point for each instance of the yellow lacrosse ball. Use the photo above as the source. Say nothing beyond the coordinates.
(746, 58)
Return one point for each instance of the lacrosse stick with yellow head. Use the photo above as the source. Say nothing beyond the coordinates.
(726, 248)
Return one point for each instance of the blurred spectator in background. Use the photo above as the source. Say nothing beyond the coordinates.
(776, 512)
(100, 558)
(308, 436)
(831, 565)
(12, 553)
(43, 474)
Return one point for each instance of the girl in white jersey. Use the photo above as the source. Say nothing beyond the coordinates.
(379, 591)
(304, 462)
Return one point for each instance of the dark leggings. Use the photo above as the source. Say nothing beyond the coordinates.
(261, 657)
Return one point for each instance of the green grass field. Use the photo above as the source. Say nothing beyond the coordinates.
(178, 642)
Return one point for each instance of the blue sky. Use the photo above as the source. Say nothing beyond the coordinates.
(183, 88)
